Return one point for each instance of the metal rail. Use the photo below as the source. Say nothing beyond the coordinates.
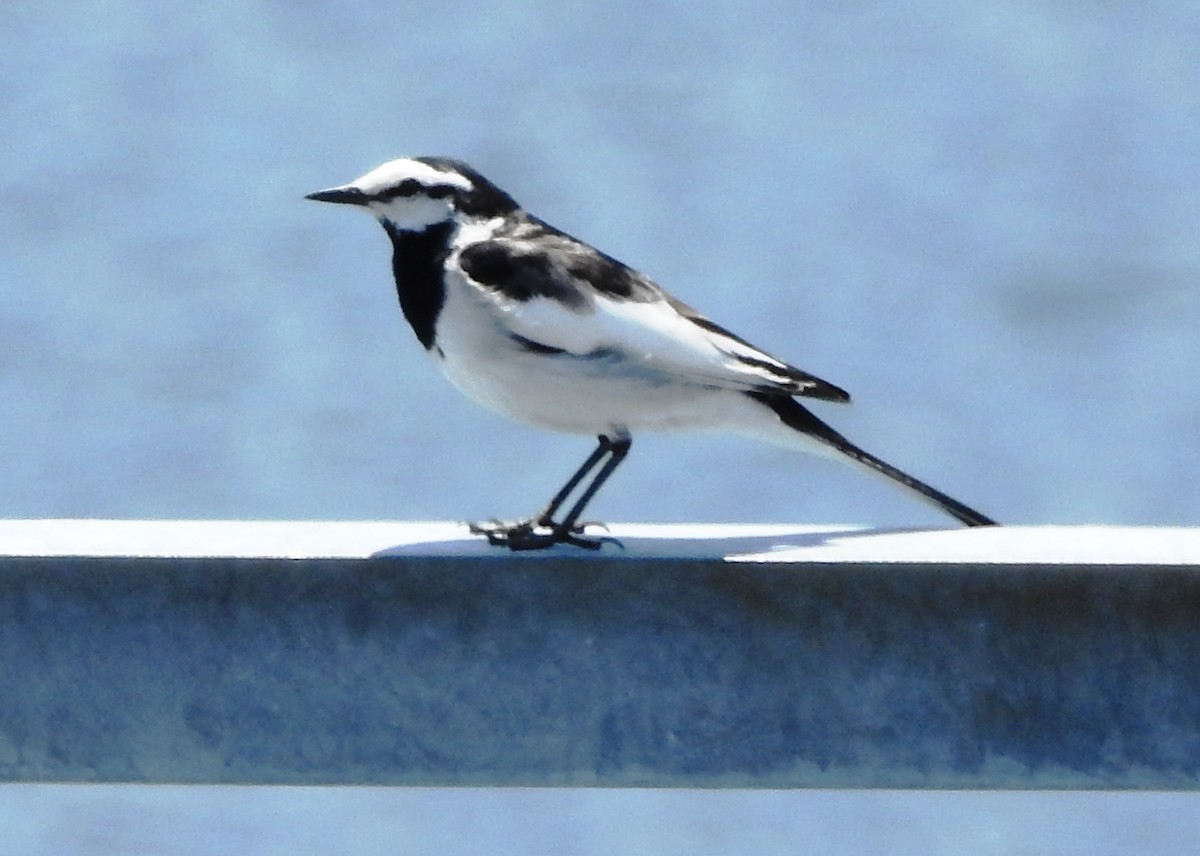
(410, 654)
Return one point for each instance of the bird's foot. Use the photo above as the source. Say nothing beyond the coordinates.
(539, 534)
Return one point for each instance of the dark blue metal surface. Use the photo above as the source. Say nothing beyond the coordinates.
(595, 671)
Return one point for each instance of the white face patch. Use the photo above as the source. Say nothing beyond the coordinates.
(415, 211)
(412, 213)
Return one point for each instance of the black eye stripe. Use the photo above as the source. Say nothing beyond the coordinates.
(412, 187)
(408, 187)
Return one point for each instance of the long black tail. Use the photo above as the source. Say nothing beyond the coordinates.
(795, 415)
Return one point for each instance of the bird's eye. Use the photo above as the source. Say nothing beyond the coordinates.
(408, 187)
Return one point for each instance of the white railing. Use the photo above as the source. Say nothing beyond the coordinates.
(697, 656)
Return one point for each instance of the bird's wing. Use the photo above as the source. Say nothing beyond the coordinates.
(557, 294)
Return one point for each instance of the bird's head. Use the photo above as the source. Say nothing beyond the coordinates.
(412, 194)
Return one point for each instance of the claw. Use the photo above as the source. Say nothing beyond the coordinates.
(596, 543)
(538, 535)
(501, 533)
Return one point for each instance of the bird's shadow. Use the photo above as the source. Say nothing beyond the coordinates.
(696, 546)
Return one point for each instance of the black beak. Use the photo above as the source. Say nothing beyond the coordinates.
(340, 195)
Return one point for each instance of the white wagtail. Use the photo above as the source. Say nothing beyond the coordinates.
(544, 328)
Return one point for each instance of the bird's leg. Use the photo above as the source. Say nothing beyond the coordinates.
(546, 517)
(541, 530)
(617, 450)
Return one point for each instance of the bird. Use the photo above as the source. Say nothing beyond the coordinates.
(541, 327)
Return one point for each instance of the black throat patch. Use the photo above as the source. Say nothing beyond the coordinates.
(417, 264)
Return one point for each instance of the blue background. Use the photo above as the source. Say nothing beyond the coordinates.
(982, 220)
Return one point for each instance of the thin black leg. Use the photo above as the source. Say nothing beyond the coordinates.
(617, 450)
(525, 534)
(546, 518)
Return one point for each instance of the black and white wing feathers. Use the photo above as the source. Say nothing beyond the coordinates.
(559, 295)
